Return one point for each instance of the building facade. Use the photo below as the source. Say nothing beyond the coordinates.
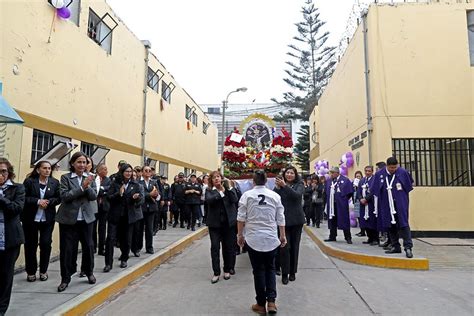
(88, 83)
(405, 87)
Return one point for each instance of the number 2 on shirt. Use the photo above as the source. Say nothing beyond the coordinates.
(262, 199)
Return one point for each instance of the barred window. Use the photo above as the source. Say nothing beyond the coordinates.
(42, 142)
(163, 169)
(437, 161)
(87, 148)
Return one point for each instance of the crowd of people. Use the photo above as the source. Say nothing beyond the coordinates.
(104, 212)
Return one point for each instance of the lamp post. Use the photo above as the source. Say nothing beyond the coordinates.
(224, 106)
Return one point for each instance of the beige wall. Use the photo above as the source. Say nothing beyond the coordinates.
(421, 87)
(72, 79)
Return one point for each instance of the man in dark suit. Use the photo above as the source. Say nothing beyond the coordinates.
(149, 208)
(12, 200)
(179, 199)
(193, 192)
(103, 206)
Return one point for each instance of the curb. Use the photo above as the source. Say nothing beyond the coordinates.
(85, 302)
(369, 260)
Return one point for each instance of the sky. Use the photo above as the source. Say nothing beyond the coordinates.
(212, 47)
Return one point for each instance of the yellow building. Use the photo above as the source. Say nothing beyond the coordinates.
(416, 103)
(88, 83)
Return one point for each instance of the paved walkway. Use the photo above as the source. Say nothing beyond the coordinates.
(440, 257)
(40, 297)
(324, 286)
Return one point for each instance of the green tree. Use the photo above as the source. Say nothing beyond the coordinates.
(301, 148)
(310, 66)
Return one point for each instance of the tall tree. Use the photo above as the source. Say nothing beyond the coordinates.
(310, 66)
(301, 149)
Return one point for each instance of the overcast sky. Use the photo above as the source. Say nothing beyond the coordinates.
(215, 46)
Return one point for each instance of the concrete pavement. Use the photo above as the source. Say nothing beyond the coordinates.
(39, 297)
(324, 286)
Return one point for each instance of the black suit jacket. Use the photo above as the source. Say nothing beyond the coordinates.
(32, 195)
(103, 203)
(125, 205)
(214, 203)
(12, 204)
(150, 204)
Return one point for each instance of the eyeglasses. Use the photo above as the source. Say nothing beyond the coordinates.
(4, 171)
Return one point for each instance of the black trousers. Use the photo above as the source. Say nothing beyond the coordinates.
(372, 234)
(308, 213)
(333, 228)
(7, 268)
(396, 232)
(162, 217)
(180, 213)
(318, 213)
(193, 211)
(288, 255)
(69, 238)
(263, 267)
(32, 231)
(101, 230)
(123, 232)
(224, 235)
(144, 225)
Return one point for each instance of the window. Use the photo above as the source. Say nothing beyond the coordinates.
(97, 153)
(166, 90)
(186, 172)
(53, 148)
(437, 161)
(163, 169)
(151, 162)
(87, 148)
(214, 110)
(75, 8)
(194, 119)
(205, 127)
(189, 111)
(99, 31)
(154, 78)
(470, 31)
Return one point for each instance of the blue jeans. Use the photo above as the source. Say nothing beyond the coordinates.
(263, 265)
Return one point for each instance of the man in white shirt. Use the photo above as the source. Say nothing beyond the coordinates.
(261, 211)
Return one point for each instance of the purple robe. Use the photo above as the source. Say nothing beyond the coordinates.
(371, 222)
(342, 195)
(401, 187)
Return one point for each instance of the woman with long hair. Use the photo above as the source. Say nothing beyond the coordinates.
(41, 198)
(126, 198)
(76, 216)
(290, 188)
(12, 200)
(318, 200)
(205, 185)
(221, 222)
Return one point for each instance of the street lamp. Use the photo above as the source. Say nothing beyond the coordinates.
(224, 106)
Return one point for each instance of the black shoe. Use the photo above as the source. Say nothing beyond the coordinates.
(187, 227)
(349, 241)
(393, 250)
(232, 271)
(123, 264)
(164, 227)
(181, 226)
(329, 239)
(317, 225)
(278, 272)
(388, 247)
(107, 268)
(91, 279)
(292, 277)
(199, 224)
(101, 253)
(174, 225)
(374, 243)
(82, 274)
(136, 254)
(150, 251)
(284, 279)
(361, 234)
(62, 286)
(193, 229)
(385, 244)
(409, 253)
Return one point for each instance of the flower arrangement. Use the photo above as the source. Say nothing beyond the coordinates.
(234, 154)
